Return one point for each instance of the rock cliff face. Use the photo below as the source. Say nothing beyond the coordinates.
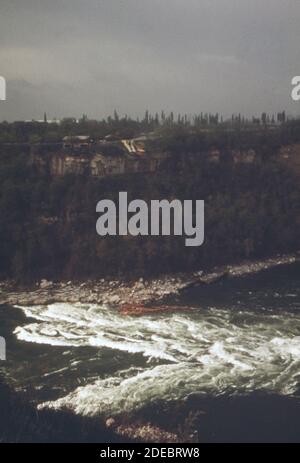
(57, 162)
(48, 220)
(96, 164)
(290, 155)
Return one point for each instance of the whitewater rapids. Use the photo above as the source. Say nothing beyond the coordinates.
(205, 351)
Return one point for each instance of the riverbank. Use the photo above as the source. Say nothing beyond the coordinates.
(21, 422)
(197, 420)
(133, 293)
(253, 418)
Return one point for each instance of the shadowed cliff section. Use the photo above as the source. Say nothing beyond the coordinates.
(47, 225)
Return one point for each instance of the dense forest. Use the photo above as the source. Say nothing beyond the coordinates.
(47, 225)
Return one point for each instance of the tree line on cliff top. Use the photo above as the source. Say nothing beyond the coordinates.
(159, 125)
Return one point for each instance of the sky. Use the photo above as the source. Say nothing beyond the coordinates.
(71, 57)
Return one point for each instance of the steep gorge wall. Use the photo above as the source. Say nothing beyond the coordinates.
(58, 163)
(48, 222)
(96, 165)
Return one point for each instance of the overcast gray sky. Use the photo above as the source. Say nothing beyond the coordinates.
(69, 57)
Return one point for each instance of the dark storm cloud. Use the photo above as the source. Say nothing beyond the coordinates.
(70, 57)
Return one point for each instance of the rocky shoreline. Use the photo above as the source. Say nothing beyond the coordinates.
(126, 295)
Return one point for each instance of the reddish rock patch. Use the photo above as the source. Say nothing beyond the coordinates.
(139, 310)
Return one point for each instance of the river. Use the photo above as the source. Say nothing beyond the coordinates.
(240, 337)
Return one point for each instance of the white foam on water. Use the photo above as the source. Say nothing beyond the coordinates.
(206, 351)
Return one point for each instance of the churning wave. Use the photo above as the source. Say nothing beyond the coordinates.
(211, 351)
